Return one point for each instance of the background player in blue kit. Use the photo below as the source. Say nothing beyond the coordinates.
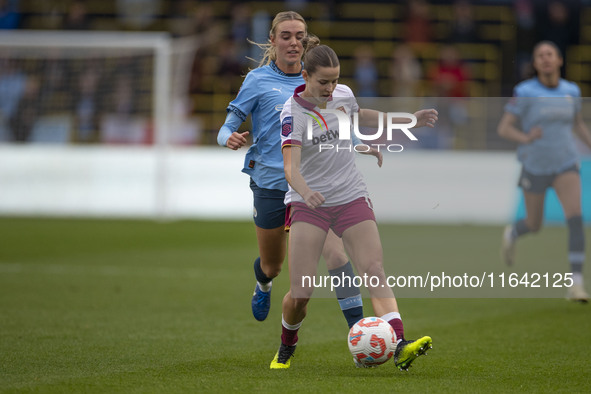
(262, 95)
(541, 118)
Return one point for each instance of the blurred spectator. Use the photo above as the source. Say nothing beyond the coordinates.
(366, 72)
(77, 17)
(449, 77)
(138, 14)
(240, 31)
(230, 69)
(52, 15)
(56, 77)
(87, 106)
(54, 72)
(27, 111)
(12, 88)
(260, 33)
(124, 121)
(526, 25)
(124, 94)
(417, 22)
(198, 81)
(194, 18)
(298, 6)
(405, 72)
(559, 23)
(9, 15)
(463, 28)
(209, 33)
(121, 125)
(181, 18)
(448, 80)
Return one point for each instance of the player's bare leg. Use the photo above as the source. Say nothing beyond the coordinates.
(333, 251)
(362, 243)
(534, 206)
(305, 247)
(568, 190)
(272, 248)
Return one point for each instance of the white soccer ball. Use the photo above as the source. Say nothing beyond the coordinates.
(372, 341)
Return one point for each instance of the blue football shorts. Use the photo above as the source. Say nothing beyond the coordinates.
(269, 208)
(539, 183)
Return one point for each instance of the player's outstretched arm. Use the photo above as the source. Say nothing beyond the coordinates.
(426, 117)
(291, 165)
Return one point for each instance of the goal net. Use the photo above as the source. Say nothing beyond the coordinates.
(96, 87)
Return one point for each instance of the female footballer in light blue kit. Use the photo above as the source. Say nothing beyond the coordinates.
(328, 193)
(541, 118)
(262, 95)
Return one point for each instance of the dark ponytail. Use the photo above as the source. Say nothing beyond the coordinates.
(316, 55)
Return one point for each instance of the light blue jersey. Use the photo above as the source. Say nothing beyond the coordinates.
(554, 110)
(262, 94)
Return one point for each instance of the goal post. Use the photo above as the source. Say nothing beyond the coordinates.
(40, 46)
(70, 87)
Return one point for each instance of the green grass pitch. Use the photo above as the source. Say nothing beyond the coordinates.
(144, 307)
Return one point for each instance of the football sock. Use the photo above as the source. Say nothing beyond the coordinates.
(576, 245)
(264, 281)
(519, 229)
(396, 322)
(349, 296)
(289, 332)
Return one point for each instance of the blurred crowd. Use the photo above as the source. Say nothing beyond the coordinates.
(105, 99)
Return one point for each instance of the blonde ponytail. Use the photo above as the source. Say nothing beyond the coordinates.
(309, 42)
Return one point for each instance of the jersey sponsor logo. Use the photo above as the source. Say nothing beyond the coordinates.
(330, 135)
(279, 90)
(279, 107)
(286, 126)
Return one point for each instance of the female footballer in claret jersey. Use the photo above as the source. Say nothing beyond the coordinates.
(327, 193)
(541, 118)
(262, 95)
